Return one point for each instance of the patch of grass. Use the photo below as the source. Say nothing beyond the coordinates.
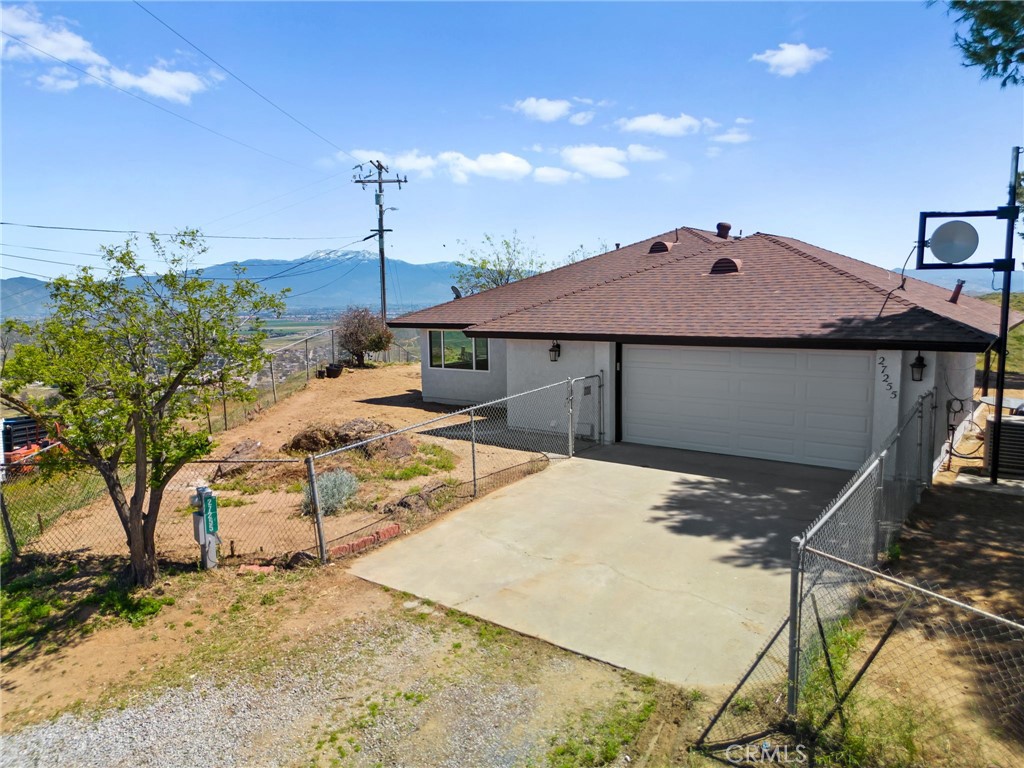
(129, 605)
(408, 472)
(297, 487)
(29, 603)
(438, 457)
(598, 736)
(241, 485)
(1015, 341)
(229, 501)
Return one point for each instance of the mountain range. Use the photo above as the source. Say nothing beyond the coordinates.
(322, 281)
(328, 280)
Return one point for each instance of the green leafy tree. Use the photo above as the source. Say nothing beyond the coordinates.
(136, 358)
(993, 37)
(360, 331)
(495, 263)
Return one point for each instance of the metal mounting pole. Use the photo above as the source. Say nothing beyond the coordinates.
(306, 344)
(273, 379)
(1004, 320)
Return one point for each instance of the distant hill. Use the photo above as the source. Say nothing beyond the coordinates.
(977, 281)
(321, 281)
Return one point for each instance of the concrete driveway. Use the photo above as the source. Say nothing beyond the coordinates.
(669, 563)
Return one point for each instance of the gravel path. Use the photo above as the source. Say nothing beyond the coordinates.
(393, 688)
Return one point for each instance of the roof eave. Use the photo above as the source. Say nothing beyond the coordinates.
(800, 342)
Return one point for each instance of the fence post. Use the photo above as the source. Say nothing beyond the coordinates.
(12, 541)
(568, 405)
(600, 407)
(880, 516)
(472, 433)
(333, 360)
(793, 677)
(314, 503)
(223, 401)
(273, 379)
(306, 344)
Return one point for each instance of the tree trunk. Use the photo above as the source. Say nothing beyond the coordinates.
(142, 550)
(360, 359)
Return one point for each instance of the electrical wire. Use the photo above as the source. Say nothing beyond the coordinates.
(153, 103)
(48, 250)
(240, 80)
(272, 199)
(165, 234)
(321, 287)
(903, 281)
(285, 208)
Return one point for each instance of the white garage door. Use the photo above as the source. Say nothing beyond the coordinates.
(804, 406)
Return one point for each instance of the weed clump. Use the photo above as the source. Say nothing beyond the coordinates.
(333, 489)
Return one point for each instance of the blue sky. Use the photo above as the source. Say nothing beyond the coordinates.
(573, 123)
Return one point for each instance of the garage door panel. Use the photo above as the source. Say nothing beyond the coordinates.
(831, 364)
(777, 417)
(803, 406)
(785, 361)
(767, 389)
(837, 422)
(842, 393)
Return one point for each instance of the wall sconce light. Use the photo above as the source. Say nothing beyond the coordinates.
(555, 351)
(917, 368)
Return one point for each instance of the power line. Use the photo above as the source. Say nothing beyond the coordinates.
(276, 197)
(48, 250)
(287, 114)
(165, 234)
(284, 208)
(321, 287)
(153, 103)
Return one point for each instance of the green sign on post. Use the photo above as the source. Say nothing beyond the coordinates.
(210, 514)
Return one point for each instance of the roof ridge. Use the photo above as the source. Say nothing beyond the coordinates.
(877, 288)
(839, 270)
(712, 246)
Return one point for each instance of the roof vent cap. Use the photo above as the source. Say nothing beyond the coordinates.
(660, 246)
(726, 266)
(723, 229)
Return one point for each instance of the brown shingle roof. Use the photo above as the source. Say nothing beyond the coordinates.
(786, 293)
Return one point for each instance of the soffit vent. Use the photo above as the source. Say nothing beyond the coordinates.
(660, 246)
(726, 266)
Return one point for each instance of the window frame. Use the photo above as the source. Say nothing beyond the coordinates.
(475, 356)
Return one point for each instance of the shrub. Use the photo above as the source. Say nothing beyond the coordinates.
(334, 488)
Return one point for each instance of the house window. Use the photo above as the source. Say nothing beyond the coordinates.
(454, 349)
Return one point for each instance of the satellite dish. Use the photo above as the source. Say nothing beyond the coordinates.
(457, 292)
(954, 241)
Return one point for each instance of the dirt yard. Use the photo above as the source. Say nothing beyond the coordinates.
(314, 667)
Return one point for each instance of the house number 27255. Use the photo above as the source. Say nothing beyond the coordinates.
(886, 379)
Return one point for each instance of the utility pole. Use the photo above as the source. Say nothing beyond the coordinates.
(380, 181)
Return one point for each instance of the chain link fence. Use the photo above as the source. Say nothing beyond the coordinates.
(289, 367)
(258, 507)
(867, 664)
(447, 461)
(271, 507)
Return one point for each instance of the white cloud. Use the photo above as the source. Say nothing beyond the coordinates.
(660, 124)
(791, 59)
(501, 165)
(54, 38)
(581, 118)
(549, 175)
(733, 136)
(709, 124)
(599, 162)
(642, 153)
(713, 152)
(743, 121)
(58, 79)
(545, 110)
(536, 148)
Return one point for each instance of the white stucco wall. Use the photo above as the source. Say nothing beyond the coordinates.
(950, 374)
(459, 387)
(529, 366)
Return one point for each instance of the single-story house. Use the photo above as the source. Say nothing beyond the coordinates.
(761, 346)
